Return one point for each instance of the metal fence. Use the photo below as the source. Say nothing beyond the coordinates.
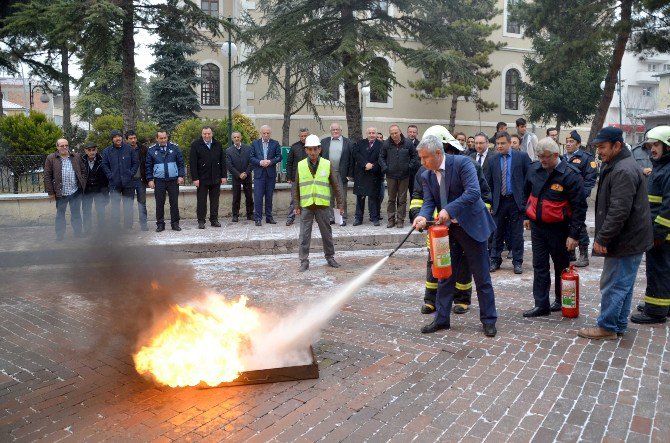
(24, 174)
(20, 174)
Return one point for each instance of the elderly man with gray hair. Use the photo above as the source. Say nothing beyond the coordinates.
(451, 187)
(555, 214)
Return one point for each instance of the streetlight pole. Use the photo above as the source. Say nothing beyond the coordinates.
(44, 98)
(230, 50)
(365, 91)
(620, 110)
(2, 111)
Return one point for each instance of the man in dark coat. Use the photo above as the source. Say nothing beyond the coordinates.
(120, 163)
(140, 178)
(398, 159)
(339, 150)
(367, 177)
(238, 161)
(96, 191)
(623, 232)
(208, 173)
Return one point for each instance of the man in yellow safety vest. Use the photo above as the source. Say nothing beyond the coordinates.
(316, 181)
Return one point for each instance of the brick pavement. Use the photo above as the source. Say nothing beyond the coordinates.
(66, 371)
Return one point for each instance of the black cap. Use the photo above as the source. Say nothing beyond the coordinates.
(609, 134)
(90, 145)
(575, 136)
(116, 132)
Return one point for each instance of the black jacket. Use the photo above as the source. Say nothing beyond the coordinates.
(588, 168)
(555, 198)
(659, 199)
(623, 220)
(238, 162)
(398, 161)
(367, 183)
(296, 154)
(96, 180)
(207, 165)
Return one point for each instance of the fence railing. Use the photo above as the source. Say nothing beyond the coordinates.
(24, 174)
(21, 174)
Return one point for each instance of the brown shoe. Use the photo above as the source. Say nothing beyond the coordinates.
(597, 333)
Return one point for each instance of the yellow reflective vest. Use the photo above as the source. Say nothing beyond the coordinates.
(314, 189)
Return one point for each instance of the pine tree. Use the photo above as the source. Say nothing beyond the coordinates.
(455, 54)
(172, 97)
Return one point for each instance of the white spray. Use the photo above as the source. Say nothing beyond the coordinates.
(285, 341)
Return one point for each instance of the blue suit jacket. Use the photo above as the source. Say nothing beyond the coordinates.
(520, 167)
(274, 155)
(463, 196)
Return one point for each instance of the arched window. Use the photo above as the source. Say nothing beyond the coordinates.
(210, 90)
(512, 78)
(379, 85)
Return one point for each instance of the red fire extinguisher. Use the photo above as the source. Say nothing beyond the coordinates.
(439, 251)
(570, 292)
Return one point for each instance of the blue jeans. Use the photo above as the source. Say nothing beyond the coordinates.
(616, 289)
(141, 191)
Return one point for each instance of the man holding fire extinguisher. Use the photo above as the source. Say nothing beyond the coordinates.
(555, 212)
(450, 185)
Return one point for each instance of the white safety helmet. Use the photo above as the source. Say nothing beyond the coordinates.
(312, 140)
(660, 133)
(444, 136)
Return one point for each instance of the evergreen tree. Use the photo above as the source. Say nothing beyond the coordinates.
(172, 97)
(455, 54)
(564, 83)
(346, 35)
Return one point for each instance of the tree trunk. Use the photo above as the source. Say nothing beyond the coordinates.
(452, 113)
(352, 106)
(288, 100)
(614, 66)
(65, 86)
(128, 102)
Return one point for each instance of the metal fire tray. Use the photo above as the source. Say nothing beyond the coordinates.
(274, 375)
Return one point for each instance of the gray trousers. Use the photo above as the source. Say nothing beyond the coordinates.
(397, 190)
(333, 207)
(308, 215)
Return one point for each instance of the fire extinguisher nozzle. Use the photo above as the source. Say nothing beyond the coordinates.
(402, 242)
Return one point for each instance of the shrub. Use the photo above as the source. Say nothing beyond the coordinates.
(31, 135)
(103, 126)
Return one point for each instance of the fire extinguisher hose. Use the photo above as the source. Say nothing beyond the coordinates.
(428, 223)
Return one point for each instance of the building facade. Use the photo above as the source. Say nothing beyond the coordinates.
(398, 107)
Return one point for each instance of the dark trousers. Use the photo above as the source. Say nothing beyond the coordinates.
(548, 241)
(141, 191)
(397, 205)
(463, 295)
(344, 182)
(115, 196)
(290, 216)
(466, 249)
(373, 208)
(657, 294)
(308, 215)
(202, 192)
(508, 212)
(62, 203)
(264, 186)
(248, 197)
(171, 187)
(87, 201)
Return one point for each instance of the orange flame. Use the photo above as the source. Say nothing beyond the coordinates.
(199, 346)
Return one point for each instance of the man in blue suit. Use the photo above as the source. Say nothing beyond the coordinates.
(506, 176)
(450, 185)
(265, 154)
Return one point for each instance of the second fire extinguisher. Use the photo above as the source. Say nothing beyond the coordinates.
(570, 292)
(440, 253)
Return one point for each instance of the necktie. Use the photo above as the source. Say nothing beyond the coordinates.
(480, 159)
(504, 175)
(443, 190)
(265, 151)
(209, 146)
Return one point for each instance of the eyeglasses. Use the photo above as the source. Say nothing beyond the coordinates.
(63, 146)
